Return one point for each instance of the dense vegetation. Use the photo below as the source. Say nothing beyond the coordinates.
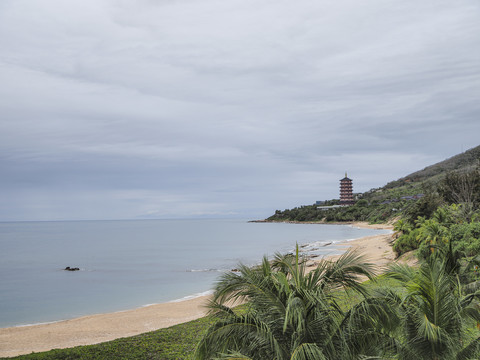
(375, 212)
(450, 216)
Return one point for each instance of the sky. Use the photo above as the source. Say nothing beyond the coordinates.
(117, 109)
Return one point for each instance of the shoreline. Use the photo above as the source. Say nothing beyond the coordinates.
(359, 224)
(98, 328)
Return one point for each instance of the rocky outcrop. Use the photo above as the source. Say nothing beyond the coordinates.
(68, 268)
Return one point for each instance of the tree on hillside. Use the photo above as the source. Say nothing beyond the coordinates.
(432, 233)
(462, 188)
(425, 207)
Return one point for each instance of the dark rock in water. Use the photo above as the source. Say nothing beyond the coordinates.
(68, 268)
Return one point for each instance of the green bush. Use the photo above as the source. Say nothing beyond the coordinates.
(406, 242)
(466, 237)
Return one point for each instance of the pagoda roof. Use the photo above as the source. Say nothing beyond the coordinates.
(346, 178)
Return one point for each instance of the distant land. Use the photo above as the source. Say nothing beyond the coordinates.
(386, 203)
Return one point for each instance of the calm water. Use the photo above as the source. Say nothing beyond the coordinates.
(128, 264)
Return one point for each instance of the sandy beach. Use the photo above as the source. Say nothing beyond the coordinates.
(104, 327)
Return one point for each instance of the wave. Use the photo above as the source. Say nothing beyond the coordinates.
(35, 324)
(205, 270)
(194, 296)
(319, 245)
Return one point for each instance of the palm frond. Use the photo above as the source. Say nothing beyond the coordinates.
(233, 356)
(308, 351)
(345, 272)
(471, 351)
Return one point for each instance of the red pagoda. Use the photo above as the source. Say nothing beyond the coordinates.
(346, 191)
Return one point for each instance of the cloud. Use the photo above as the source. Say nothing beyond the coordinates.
(180, 108)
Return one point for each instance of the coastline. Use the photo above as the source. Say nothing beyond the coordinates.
(94, 329)
(359, 224)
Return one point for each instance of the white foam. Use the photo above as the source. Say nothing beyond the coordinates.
(40, 323)
(194, 296)
(204, 270)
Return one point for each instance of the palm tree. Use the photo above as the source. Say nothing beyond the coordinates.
(434, 232)
(401, 226)
(293, 314)
(432, 312)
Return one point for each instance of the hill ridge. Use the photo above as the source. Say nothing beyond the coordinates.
(463, 161)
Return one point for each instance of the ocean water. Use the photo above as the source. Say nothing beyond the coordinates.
(129, 264)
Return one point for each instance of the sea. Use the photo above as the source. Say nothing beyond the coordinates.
(134, 263)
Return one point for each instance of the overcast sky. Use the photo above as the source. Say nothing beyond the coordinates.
(117, 109)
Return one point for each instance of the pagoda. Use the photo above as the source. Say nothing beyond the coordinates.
(346, 191)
